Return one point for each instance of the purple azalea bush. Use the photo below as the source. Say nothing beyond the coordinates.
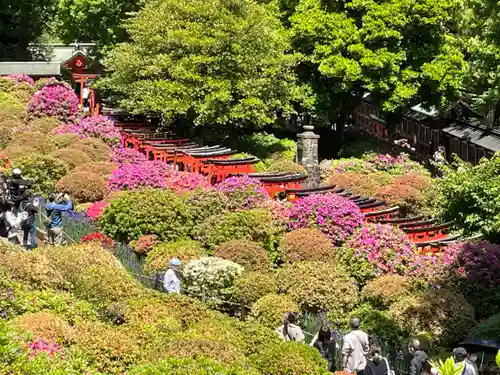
(336, 216)
(22, 78)
(131, 176)
(185, 181)
(243, 192)
(59, 101)
(100, 127)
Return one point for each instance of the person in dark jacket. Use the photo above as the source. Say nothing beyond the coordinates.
(377, 365)
(419, 364)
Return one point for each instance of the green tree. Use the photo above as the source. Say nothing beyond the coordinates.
(403, 52)
(23, 22)
(220, 62)
(99, 21)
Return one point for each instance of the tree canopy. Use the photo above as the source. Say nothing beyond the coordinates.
(400, 51)
(208, 61)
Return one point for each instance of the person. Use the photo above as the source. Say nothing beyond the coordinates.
(86, 96)
(29, 205)
(419, 363)
(460, 357)
(13, 221)
(326, 345)
(58, 203)
(171, 282)
(355, 348)
(17, 186)
(377, 364)
(290, 331)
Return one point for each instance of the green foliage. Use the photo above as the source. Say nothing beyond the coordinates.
(264, 146)
(444, 314)
(198, 366)
(46, 326)
(72, 157)
(44, 125)
(237, 72)
(448, 367)
(279, 165)
(249, 254)
(136, 213)
(11, 108)
(251, 286)
(254, 225)
(318, 286)
(40, 142)
(64, 140)
(96, 149)
(468, 194)
(270, 310)
(497, 359)
(185, 250)
(290, 358)
(487, 330)
(43, 170)
(385, 290)
(206, 202)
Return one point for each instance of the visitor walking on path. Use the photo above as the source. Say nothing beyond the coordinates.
(326, 345)
(377, 364)
(419, 364)
(355, 348)
(58, 204)
(290, 331)
(460, 357)
(171, 281)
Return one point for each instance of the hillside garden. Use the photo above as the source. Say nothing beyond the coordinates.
(246, 259)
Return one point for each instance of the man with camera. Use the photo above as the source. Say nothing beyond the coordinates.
(58, 203)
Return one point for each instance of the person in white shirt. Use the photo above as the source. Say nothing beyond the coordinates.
(13, 225)
(355, 348)
(171, 281)
(290, 331)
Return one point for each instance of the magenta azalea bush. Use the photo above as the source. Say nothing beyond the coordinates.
(21, 78)
(100, 127)
(379, 249)
(153, 174)
(59, 101)
(125, 155)
(336, 216)
(243, 192)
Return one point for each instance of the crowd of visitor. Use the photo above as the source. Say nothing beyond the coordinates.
(19, 208)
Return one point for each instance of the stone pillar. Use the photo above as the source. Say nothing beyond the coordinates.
(307, 155)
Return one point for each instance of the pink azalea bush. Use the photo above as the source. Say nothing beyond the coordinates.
(183, 181)
(96, 209)
(100, 127)
(152, 174)
(243, 192)
(38, 346)
(379, 249)
(336, 216)
(22, 78)
(125, 155)
(59, 101)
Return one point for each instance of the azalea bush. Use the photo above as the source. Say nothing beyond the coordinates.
(248, 254)
(210, 279)
(104, 240)
(133, 176)
(442, 313)
(96, 149)
(305, 244)
(379, 249)
(43, 171)
(144, 244)
(135, 213)
(101, 127)
(44, 125)
(382, 291)
(270, 309)
(72, 157)
(126, 155)
(243, 192)
(83, 186)
(101, 168)
(206, 202)
(185, 181)
(255, 225)
(318, 286)
(475, 269)
(161, 254)
(361, 184)
(96, 209)
(335, 216)
(21, 78)
(251, 286)
(37, 141)
(59, 101)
